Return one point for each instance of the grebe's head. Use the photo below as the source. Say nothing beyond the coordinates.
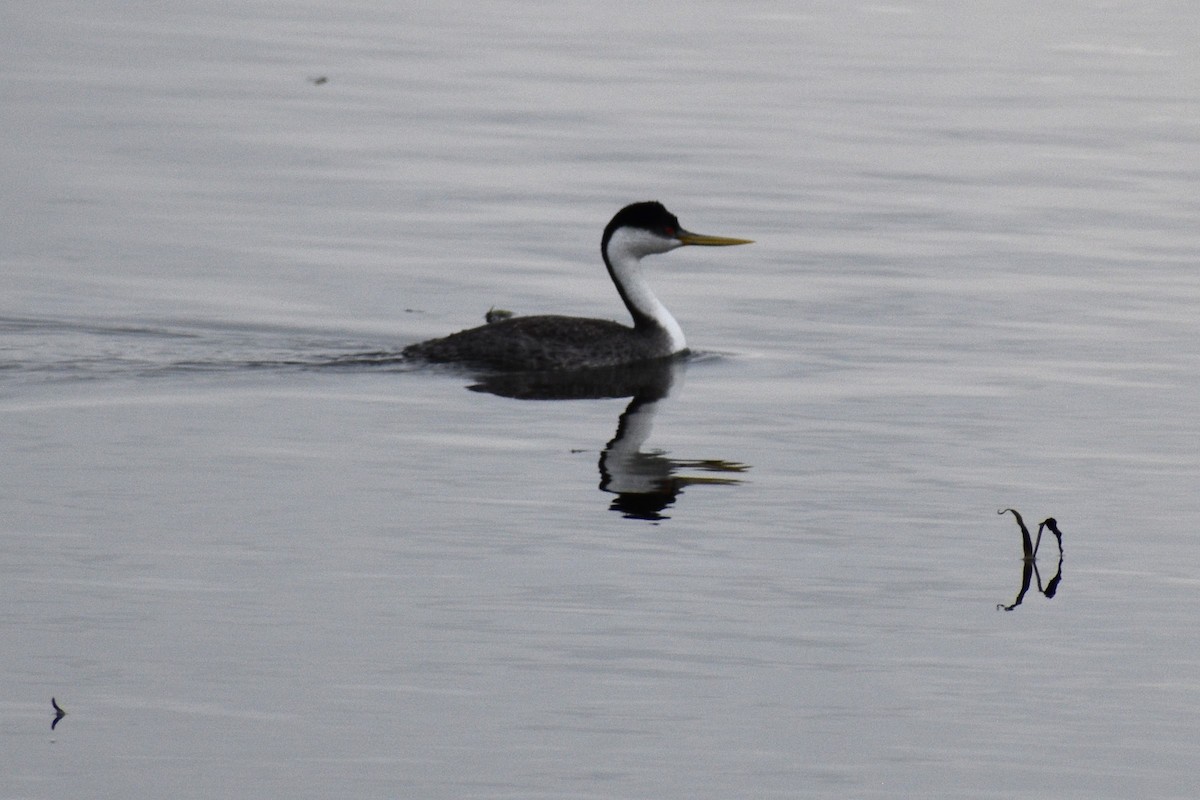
(643, 229)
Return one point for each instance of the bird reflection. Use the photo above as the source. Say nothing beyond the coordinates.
(645, 483)
(1029, 566)
(651, 380)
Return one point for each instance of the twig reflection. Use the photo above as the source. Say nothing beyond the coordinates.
(1029, 567)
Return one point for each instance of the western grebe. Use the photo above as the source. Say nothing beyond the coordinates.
(552, 342)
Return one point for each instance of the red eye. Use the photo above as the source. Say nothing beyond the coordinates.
(669, 231)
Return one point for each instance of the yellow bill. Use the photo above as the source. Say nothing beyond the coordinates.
(709, 241)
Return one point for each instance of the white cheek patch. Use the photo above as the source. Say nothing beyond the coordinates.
(633, 243)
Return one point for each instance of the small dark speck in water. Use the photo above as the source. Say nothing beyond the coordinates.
(58, 713)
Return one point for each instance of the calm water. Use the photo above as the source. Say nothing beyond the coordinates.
(251, 557)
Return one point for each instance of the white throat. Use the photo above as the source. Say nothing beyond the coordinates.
(626, 247)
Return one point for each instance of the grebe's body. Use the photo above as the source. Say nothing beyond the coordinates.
(552, 342)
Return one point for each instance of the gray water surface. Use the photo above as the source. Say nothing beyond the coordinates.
(251, 554)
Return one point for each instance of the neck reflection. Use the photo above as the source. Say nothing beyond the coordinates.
(646, 482)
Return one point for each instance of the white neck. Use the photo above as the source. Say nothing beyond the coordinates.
(624, 255)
